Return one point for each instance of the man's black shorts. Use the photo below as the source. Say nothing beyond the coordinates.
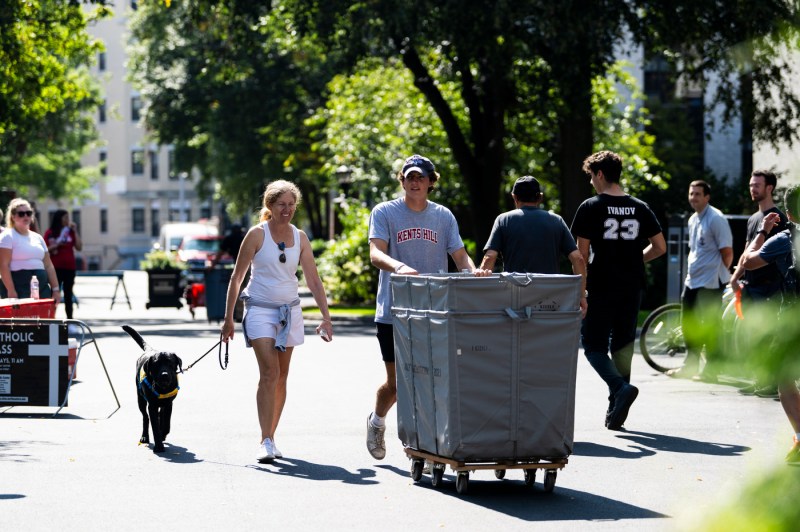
(385, 336)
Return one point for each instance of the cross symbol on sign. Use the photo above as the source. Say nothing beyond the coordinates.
(54, 350)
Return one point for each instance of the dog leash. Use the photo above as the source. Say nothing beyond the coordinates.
(219, 356)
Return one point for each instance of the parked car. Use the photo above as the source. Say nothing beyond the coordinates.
(197, 251)
(172, 233)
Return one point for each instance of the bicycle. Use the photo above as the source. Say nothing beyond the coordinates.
(661, 340)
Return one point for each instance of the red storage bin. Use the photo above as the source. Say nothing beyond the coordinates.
(27, 308)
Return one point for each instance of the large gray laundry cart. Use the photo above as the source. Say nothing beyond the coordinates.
(486, 372)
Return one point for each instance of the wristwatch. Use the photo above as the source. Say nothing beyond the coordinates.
(585, 293)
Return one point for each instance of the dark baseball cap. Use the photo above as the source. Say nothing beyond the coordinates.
(527, 188)
(418, 163)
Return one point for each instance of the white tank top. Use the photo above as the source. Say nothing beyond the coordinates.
(273, 281)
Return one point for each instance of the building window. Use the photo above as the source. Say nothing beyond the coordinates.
(101, 61)
(104, 221)
(205, 211)
(103, 162)
(155, 227)
(153, 165)
(101, 109)
(137, 162)
(172, 174)
(137, 220)
(136, 108)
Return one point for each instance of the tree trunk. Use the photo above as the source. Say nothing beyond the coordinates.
(577, 142)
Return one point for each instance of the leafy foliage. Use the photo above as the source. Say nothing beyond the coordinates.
(230, 85)
(345, 266)
(160, 260)
(486, 47)
(47, 96)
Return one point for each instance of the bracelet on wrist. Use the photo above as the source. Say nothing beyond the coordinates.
(397, 269)
(763, 232)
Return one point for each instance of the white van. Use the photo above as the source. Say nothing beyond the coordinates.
(172, 233)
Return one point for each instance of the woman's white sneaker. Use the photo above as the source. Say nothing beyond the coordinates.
(266, 451)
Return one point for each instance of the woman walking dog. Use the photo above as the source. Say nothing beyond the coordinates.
(273, 320)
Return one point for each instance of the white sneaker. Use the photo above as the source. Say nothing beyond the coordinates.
(275, 451)
(375, 443)
(266, 451)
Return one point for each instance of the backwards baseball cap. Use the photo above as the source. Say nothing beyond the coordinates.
(418, 163)
(527, 188)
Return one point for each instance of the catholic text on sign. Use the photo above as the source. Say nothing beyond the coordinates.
(33, 364)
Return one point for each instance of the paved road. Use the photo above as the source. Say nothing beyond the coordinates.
(688, 447)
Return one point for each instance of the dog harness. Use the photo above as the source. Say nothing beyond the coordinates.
(144, 382)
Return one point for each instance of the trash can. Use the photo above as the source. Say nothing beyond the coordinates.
(217, 280)
(486, 366)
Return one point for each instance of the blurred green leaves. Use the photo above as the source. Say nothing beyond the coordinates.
(47, 96)
(345, 265)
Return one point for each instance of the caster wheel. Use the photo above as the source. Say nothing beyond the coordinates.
(437, 472)
(499, 474)
(462, 482)
(147, 306)
(416, 470)
(530, 477)
(549, 480)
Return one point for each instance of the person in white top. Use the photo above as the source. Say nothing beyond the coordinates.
(23, 254)
(273, 320)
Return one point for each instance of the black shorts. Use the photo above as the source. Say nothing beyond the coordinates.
(385, 336)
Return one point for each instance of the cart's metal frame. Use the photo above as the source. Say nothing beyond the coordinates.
(463, 468)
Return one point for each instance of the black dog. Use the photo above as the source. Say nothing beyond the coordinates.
(157, 386)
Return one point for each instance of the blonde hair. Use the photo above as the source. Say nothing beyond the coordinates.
(12, 210)
(275, 190)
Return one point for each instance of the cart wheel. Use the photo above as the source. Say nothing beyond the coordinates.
(530, 477)
(147, 305)
(437, 472)
(462, 482)
(499, 474)
(549, 480)
(416, 469)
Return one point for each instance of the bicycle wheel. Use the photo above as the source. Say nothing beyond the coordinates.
(661, 340)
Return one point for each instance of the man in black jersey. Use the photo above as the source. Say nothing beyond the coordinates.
(612, 231)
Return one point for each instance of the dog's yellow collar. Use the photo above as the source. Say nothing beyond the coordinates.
(143, 381)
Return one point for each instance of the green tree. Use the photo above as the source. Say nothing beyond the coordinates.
(231, 84)
(562, 47)
(345, 264)
(47, 96)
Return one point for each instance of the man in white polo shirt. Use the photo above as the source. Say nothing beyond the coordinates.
(708, 271)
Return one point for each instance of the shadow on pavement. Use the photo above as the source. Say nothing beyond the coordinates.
(675, 444)
(649, 444)
(178, 454)
(585, 448)
(310, 471)
(512, 497)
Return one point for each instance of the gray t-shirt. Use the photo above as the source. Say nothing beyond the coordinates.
(421, 240)
(708, 233)
(530, 240)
